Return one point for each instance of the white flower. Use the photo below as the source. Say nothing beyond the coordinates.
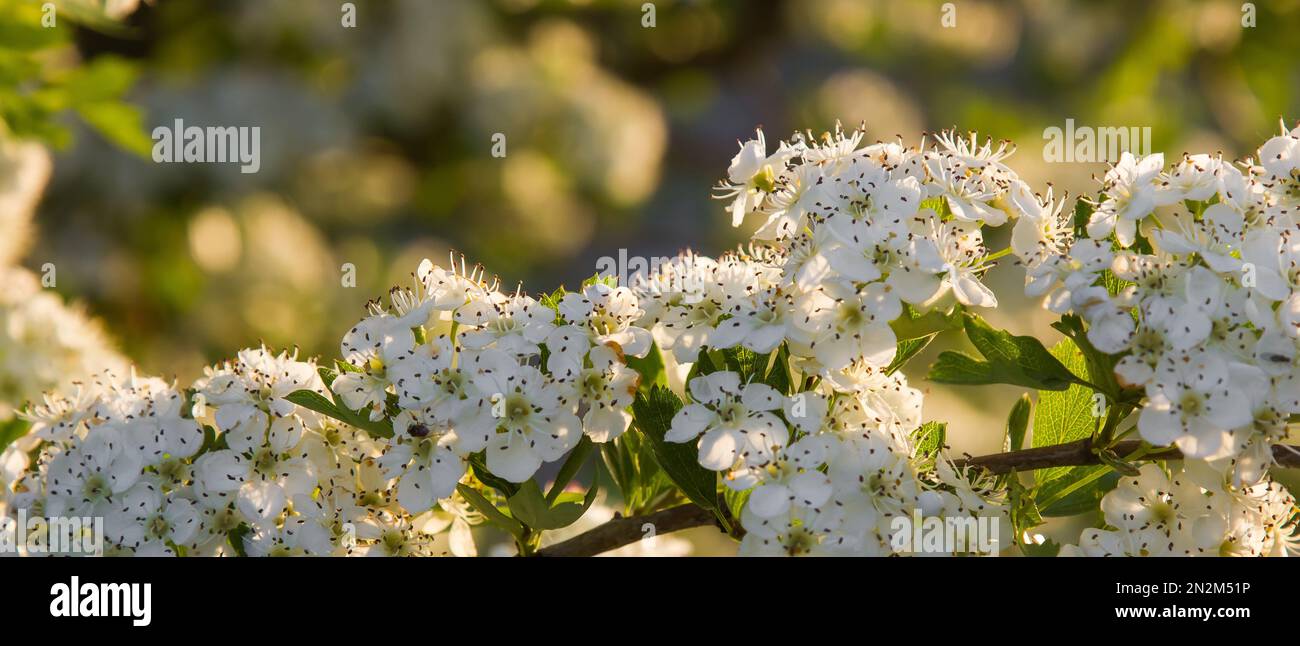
(967, 192)
(797, 194)
(1195, 177)
(735, 425)
(864, 203)
(61, 418)
(446, 290)
(760, 323)
(752, 175)
(1191, 511)
(428, 456)
(382, 348)
(791, 478)
(1043, 231)
(607, 388)
(847, 324)
(962, 251)
(84, 480)
(1280, 155)
(512, 324)
(147, 522)
(534, 417)
(1193, 404)
(248, 398)
(598, 315)
(1129, 195)
(801, 531)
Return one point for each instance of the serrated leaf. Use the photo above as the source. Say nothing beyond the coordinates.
(641, 483)
(1017, 360)
(750, 365)
(654, 413)
(929, 438)
(1064, 416)
(908, 348)
(1099, 366)
(315, 401)
(1009, 359)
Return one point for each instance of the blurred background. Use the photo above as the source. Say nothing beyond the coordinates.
(376, 140)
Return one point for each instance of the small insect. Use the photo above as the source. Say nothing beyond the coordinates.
(418, 430)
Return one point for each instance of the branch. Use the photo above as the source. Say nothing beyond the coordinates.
(1080, 453)
(625, 531)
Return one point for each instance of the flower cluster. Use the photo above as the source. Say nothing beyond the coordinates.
(454, 367)
(826, 474)
(1191, 510)
(458, 364)
(851, 238)
(777, 362)
(234, 468)
(1188, 276)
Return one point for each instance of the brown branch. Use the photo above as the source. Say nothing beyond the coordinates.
(1080, 453)
(624, 531)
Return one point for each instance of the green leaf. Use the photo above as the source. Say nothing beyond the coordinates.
(313, 400)
(552, 301)
(105, 78)
(573, 464)
(1099, 366)
(11, 430)
(478, 462)
(908, 348)
(530, 507)
(1049, 548)
(651, 369)
(490, 511)
(1023, 507)
(750, 365)
(1018, 423)
(1077, 491)
(736, 500)
(1009, 359)
(120, 124)
(610, 280)
(235, 538)
(1064, 416)
(703, 365)
(914, 325)
(778, 374)
(631, 463)
(929, 437)
(1082, 214)
(654, 415)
